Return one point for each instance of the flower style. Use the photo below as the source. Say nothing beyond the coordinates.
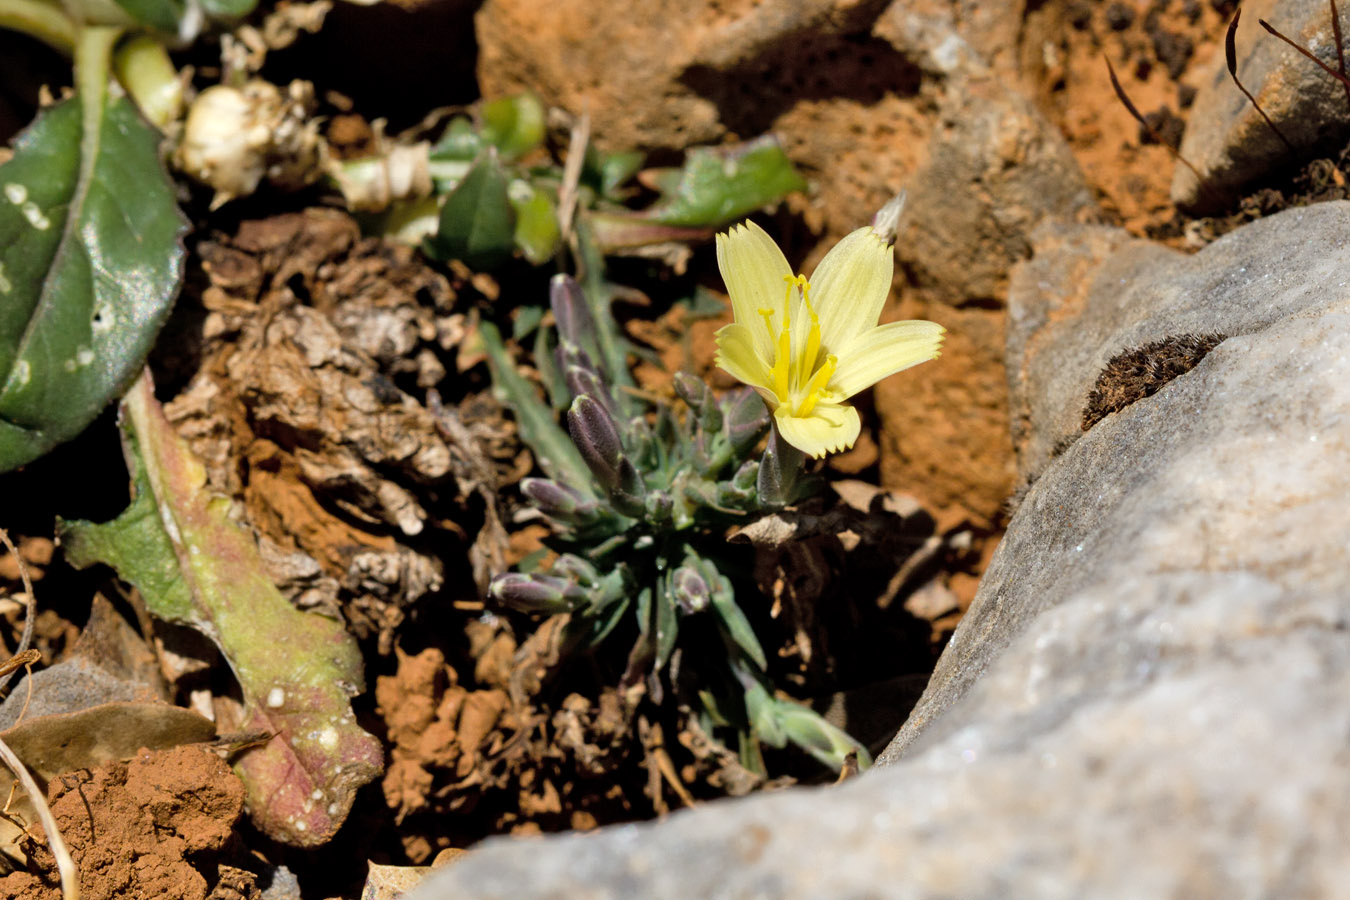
(806, 346)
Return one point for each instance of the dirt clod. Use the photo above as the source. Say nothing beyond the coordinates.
(149, 827)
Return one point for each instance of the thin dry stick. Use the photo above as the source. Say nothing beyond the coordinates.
(571, 179)
(1230, 52)
(65, 865)
(1340, 47)
(1152, 132)
(23, 661)
(1343, 79)
(28, 622)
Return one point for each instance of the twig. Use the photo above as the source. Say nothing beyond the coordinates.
(1153, 132)
(30, 598)
(65, 865)
(1325, 68)
(1230, 51)
(571, 179)
(1340, 47)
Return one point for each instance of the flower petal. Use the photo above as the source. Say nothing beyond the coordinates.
(739, 357)
(885, 350)
(753, 268)
(850, 286)
(831, 428)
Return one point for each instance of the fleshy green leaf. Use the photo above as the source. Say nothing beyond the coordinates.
(717, 186)
(459, 142)
(477, 224)
(514, 125)
(606, 172)
(297, 671)
(735, 625)
(537, 233)
(162, 15)
(228, 9)
(90, 260)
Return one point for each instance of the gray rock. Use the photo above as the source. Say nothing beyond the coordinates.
(1147, 698)
(1091, 292)
(1226, 139)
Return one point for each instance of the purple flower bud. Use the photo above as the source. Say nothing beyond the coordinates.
(691, 389)
(689, 590)
(568, 302)
(594, 433)
(555, 499)
(585, 382)
(536, 593)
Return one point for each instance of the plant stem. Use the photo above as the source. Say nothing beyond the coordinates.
(145, 70)
(41, 20)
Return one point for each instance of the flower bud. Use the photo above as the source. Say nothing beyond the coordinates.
(594, 433)
(689, 590)
(711, 419)
(660, 507)
(584, 381)
(557, 500)
(578, 570)
(691, 389)
(568, 303)
(536, 593)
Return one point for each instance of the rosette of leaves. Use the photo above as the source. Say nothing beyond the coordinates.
(640, 500)
(481, 194)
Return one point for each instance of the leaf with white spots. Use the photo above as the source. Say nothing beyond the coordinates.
(90, 260)
(297, 671)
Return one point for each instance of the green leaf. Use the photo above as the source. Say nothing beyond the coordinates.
(827, 743)
(553, 449)
(90, 260)
(459, 142)
(735, 626)
(537, 233)
(297, 671)
(607, 172)
(514, 125)
(161, 15)
(477, 223)
(228, 9)
(717, 186)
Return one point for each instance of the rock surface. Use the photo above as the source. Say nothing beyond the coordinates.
(1146, 698)
(1092, 292)
(1226, 139)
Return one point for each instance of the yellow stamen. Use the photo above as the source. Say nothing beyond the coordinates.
(817, 386)
(812, 337)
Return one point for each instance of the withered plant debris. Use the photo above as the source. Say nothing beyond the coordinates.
(296, 672)
(304, 410)
(1135, 374)
(110, 663)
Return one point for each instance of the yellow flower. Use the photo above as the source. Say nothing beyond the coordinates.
(808, 345)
